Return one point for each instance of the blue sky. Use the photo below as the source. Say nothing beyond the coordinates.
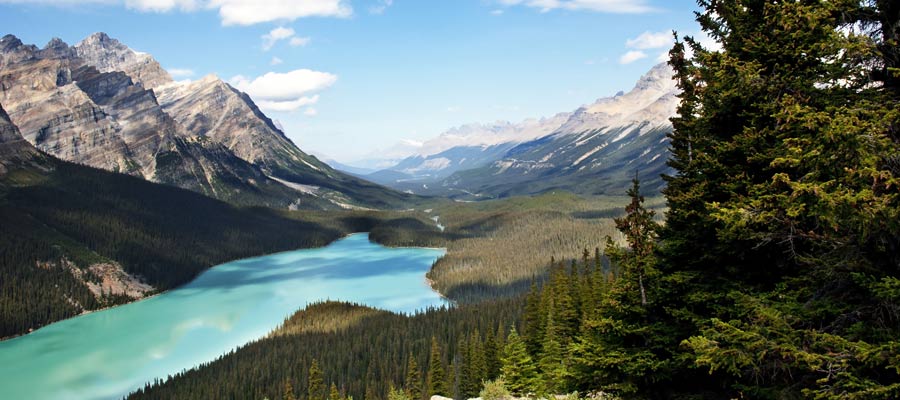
(349, 79)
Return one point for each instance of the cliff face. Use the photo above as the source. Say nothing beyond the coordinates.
(214, 109)
(102, 104)
(14, 148)
(72, 110)
(109, 55)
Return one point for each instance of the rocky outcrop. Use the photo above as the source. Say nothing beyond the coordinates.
(214, 109)
(14, 149)
(101, 104)
(108, 55)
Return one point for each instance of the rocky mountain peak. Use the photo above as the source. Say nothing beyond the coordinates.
(56, 48)
(9, 42)
(108, 55)
(658, 78)
(56, 43)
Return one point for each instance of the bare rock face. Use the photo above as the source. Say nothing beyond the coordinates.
(69, 108)
(108, 55)
(14, 149)
(57, 116)
(101, 104)
(214, 109)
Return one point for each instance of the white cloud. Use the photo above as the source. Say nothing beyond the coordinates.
(632, 56)
(607, 6)
(162, 5)
(276, 61)
(497, 12)
(647, 41)
(311, 112)
(287, 106)
(249, 12)
(285, 91)
(381, 6)
(276, 35)
(453, 109)
(651, 40)
(299, 41)
(231, 12)
(180, 72)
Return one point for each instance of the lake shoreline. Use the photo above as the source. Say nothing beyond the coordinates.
(345, 236)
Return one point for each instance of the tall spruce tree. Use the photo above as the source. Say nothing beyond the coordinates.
(519, 370)
(413, 382)
(437, 380)
(288, 392)
(316, 383)
(624, 347)
(781, 240)
(334, 394)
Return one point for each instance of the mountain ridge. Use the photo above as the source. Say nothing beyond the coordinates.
(581, 151)
(101, 104)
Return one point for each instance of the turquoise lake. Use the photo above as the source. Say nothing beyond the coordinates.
(107, 354)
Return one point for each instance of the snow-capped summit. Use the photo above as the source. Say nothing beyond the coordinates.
(570, 150)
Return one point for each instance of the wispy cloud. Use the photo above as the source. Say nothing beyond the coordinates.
(276, 35)
(606, 6)
(280, 34)
(631, 57)
(276, 61)
(381, 6)
(647, 41)
(249, 12)
(231, 12)
(288, 91)
(299, 41)
(650, 40)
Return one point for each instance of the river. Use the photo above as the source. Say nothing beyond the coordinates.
(109, 353)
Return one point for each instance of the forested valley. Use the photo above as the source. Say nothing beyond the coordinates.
(65, 217)
(776, 273)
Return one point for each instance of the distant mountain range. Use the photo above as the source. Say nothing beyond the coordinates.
(101, 104)
(595, 149)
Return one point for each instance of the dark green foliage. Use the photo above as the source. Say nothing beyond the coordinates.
(519, 370)
(288, 392)
(315, 383)
(437, 380)
(162, 234)
(785, 206)
(413, 382)
(777, 275)
(63, 214)
(364, 359)
(333, 393)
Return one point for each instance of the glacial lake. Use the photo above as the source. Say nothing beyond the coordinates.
(107, 354)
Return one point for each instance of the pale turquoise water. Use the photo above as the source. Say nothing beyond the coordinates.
(107, 354)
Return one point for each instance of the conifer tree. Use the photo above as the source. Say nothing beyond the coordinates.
(491, 357)
(477, 362)
(334, 394)
(782, 215)
(623, 347)
(534, 319)
(288, 390)
(413, 383)
(552, 361)
(518, 370)
(437, 380)
(316, 388)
